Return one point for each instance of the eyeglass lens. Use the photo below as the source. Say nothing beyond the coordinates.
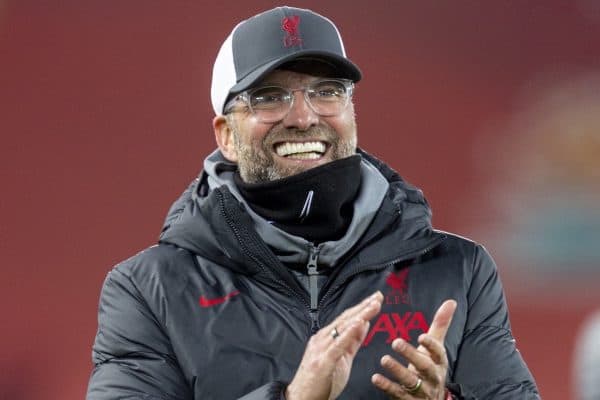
(326, 98)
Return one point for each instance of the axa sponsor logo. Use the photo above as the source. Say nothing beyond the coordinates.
(395, 325)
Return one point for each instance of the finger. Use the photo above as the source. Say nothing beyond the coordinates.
(442, 319)
(435, 348)
(439, 327)
(364, 310)
(399, 372)
(419, 361)
(362, 334)
(349, 341)
(392, 389)
(352, 312)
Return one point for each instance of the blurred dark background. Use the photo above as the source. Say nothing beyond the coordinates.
(492, 108)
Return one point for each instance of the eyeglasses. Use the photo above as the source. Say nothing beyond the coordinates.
(327, 98)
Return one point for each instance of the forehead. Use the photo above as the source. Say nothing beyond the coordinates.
(286, 78)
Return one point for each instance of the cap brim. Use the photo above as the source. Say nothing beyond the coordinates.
(344, 68)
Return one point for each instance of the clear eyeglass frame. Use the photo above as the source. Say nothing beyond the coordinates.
(325, 97)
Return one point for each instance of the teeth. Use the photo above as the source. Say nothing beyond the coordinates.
(305, 156)
(304, 150)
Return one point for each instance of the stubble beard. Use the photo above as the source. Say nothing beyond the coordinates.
(256, 163)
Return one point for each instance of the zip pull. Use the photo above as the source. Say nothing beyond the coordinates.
(313, 286)
(314, 318)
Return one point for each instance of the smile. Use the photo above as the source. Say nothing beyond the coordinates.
(301, 150)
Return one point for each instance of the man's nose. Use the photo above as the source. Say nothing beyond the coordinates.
(301, 116)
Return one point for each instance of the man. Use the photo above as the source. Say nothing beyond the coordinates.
(586, 358)
(296, 266)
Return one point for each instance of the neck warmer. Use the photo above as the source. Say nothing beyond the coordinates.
(316, 204)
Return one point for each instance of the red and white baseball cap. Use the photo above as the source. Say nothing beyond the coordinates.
(260, 44)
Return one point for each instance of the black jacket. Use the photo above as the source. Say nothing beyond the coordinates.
(211, 313)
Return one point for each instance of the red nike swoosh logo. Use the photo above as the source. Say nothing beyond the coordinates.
(204, 302)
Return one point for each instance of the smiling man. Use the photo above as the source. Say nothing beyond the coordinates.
(297, 266)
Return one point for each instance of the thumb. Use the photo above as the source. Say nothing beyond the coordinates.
(439, 326)
(442, 319)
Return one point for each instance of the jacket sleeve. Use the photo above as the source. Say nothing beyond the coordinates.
(270, 391)
(132, 355)
(488, 364)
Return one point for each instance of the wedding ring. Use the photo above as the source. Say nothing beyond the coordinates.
(334, 333)
(414, 389)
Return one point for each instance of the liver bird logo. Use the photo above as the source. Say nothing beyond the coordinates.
(290, 26)
(397, 281)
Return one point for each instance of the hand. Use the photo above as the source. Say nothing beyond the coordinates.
(325, 367)
(428, 364)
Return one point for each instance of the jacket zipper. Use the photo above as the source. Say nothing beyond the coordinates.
(265, 269)
(313, 286)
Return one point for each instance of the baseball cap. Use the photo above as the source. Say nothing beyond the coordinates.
(260, 44)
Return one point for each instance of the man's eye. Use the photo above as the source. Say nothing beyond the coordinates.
(268, 97)
(329, 90)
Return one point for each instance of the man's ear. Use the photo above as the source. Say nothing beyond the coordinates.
(224, 137)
